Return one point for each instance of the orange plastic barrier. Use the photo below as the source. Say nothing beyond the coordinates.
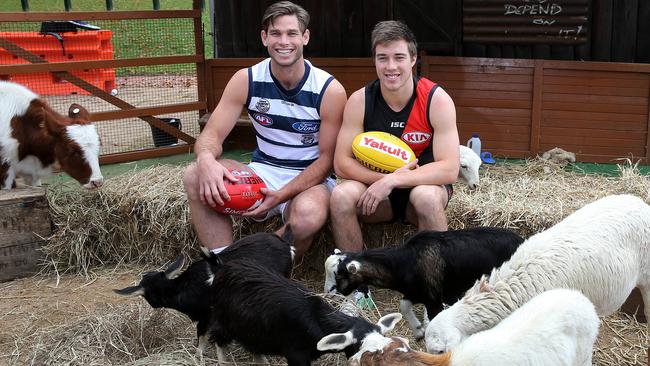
(77, 46)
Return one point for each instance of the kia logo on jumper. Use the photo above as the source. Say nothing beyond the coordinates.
(305, 127)
(416, 137)
(262, 119)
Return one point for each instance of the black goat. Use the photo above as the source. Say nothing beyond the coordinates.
(190, 292)
(271, 315)
(431, 268)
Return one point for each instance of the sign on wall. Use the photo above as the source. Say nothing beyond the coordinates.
(526, 21)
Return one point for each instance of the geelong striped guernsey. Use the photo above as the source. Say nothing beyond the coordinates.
(287, 122)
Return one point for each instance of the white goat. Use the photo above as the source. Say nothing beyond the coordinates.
(556, 328)
(469, 165)
(603, 250)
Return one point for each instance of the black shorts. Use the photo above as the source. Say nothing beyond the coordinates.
(399, 199)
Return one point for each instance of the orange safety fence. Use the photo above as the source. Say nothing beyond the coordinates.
(71, 46)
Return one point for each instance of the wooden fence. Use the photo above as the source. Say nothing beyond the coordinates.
(123, 108)
(520, 108)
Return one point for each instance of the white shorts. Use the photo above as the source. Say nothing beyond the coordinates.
(276, 178)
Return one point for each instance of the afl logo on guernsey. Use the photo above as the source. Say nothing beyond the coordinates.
(262, 119)
(305, 127)
(416, 137)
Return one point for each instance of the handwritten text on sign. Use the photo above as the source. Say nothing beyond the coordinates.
(539, 9)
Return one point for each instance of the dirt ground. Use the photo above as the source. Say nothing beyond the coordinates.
(31, 304)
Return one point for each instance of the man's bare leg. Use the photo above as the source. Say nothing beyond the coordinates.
(307, 213)
(426, 208)
(213, 229)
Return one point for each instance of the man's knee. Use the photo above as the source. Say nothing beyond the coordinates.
(309, 213)
(428, 199)
(345, 197)
(190, 181)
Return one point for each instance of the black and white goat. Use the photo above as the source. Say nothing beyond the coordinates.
(190, 292)
(269, 314)
(431, 268)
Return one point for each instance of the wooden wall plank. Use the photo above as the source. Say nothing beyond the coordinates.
(643, 33)
(594, 81)
(596, 90)
(609, 125)
(535, 124)
(589, 107)
(624, 30)
(602, 30)
(588, 98)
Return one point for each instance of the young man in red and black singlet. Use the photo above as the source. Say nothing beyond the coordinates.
(419, 112)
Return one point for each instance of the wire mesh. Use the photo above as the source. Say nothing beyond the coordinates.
(139, 86)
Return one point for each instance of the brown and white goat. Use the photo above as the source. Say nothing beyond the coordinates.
(34, 137)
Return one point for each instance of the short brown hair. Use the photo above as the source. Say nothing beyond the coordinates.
(390, 31)
(283, 8)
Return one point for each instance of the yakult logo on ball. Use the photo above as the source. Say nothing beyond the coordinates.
(385, 147)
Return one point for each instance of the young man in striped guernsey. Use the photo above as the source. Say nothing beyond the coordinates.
(296, 110)
(422, 115)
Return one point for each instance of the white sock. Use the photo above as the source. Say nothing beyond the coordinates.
(218, 250)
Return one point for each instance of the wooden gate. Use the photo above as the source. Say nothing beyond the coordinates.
(159, 74)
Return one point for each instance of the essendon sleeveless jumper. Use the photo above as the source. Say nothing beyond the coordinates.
(411, 124)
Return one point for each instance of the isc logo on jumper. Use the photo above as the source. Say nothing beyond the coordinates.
(416, 137)
(263, 119)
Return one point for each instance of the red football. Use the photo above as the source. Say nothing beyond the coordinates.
(244, 194)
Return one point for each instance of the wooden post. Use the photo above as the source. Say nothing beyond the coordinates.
(647, 149)
(24, 220)
(536, 113)
(199, 50)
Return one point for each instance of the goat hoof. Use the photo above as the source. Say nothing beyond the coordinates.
(418, 334)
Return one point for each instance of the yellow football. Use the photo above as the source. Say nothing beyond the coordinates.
(381, 151)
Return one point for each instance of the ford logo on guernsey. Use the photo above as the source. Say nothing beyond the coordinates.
(416, 137)
(306, 127)
(262, 119)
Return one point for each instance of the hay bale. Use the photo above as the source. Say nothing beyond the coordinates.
(131, 333)
(143, 216)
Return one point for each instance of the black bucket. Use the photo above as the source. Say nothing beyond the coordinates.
(162, 138)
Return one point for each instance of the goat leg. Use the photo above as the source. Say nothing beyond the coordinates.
(406, 308)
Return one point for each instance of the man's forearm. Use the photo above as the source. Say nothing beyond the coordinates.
(207, 146)
(313, 175)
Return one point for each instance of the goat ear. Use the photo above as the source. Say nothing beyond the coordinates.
(130, 291)
(51, 121)
(353, 267)
(175, 268)
(483, 285)
(388, 322)
(336, 341)
(78, 112)
(288, 234)
(337, 251)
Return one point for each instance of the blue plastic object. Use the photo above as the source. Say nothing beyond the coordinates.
(486, 157)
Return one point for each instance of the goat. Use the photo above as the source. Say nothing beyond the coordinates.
(34, 137)
(469, 166)
(271, 315)
(190, 291)
(556, 328)
(601, 250)
(431, 268)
